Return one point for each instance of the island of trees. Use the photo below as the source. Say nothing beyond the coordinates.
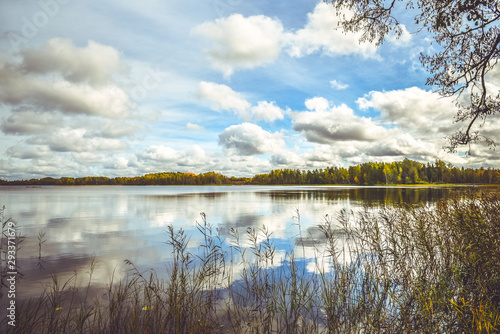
(370, 173)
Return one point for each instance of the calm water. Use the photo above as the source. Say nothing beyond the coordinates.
(112, 224)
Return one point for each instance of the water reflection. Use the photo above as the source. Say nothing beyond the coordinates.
(313, 237)
(117, 223)
(365, 195)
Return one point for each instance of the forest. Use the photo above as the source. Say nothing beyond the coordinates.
(370, 173)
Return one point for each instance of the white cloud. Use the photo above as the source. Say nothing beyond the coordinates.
(317, 103)
(62, 80)
(30, 122)
(490, 126)
(159, 153)
(338, 85)
(344, 136)
(118, 163)
(241, 42)
(29, 152)
(193, 127)
(160, 158)
(48, 165)
(66, 103)
(399, 144)
(327, 124)
(94, 63)
(63, 96)
(107, 128)
(3, 60)
(224, 98)
(243, 165)
(267, 111)
(194, 156)
(402, 40)
(75, 140)
(250, 139)
(414, 110)
(493, 77)
(322, 33)
(286, 159)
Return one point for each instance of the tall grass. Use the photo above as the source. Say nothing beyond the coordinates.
(392, 270)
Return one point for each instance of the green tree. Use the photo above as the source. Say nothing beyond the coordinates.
(355, 175)
(388, 174)
(440, 168)
(468, 36)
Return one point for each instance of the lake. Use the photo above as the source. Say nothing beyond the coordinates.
(66, 227)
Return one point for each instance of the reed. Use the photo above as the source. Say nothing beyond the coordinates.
(400, 269)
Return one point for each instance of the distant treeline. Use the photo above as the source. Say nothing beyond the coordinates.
(167, 178)
(370, 173)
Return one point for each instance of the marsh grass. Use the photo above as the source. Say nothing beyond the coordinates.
(392, 270)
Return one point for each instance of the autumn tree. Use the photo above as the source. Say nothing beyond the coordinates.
(467, 33)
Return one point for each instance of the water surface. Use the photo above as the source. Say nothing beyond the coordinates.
(114, 223)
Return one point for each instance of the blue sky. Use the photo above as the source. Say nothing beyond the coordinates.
(123, 88)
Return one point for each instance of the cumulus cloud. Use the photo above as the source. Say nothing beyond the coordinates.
(250, 139)
(224, 98)
(321, 33)
(399, 144)
(106, 128)
(317, 103)
(67, 106)
(243, 165)
(58, 77)
(395, 147)
(194, 156)
(344, 136)
(159, 153)
(414, 110)
(490, 127)
(241, 42)
(267, 111)
(164, 158)
(118, 164)
(31, 122)
(51, 165)
(412, 124)
(286, 159)
(94, 63)
(75, 140)
(28, 152)
(95, 158)
(325, 124)
(43, 95)
(422, 119)
(195, 159)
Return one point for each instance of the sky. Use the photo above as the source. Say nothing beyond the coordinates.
(125, 88)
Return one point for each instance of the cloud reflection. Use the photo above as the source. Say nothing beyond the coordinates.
(118, 223)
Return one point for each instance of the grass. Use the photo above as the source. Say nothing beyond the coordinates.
(392, 270)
